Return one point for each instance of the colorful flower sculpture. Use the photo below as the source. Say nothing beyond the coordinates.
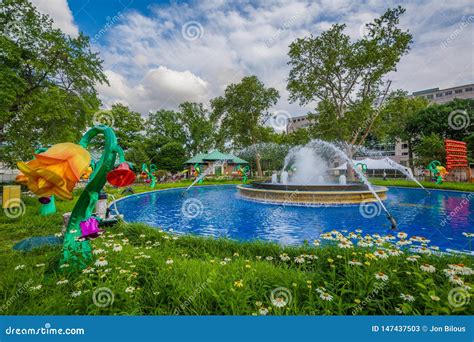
(56, 171)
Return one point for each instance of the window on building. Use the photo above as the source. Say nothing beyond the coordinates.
(429, 97)
(404, 153)
(448, 92)
(458, 91)
(468, 89)
(404, 145)
(439, 95)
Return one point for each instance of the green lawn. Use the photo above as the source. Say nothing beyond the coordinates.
(148, 271)
(431, 185)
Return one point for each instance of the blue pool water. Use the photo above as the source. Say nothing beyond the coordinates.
(219, 211)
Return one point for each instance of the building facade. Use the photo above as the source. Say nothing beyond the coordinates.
(436, 95)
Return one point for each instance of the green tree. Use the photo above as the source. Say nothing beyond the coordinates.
(429, 148)
(128, 125)
(242, 113)
(396, 114)
(345, 76)
(198, 127)
(452, 120)
(165, 125)
(171, 157)
(46, 82)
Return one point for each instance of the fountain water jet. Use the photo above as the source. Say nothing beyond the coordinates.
(405, 171)
(205, 173)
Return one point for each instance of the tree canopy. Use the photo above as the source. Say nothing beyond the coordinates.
(47, 82)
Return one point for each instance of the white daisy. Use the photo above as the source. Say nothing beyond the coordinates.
(354, 262)
(326, 296)
(381, 276)
(62, 282)
(395, 252)
(117, 248)
(35, 288)
(456, 280)
(169, 261)
(64, 266)
(299, 259)
(20, 267)
(407, 297)
(40, 265)
(402, 235)
(76, 294)
(101, 262)
(263, 311)
(345, 244)
(269, 258)
(428, 268)
(98, 251)
(284, 257)
(381, 254)
(130, 289)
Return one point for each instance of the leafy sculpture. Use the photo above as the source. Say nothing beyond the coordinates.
(56, 172)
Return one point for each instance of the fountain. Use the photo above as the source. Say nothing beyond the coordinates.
(406, 171)
(205, 173)
(310, 183)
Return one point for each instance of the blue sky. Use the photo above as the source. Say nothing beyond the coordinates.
(158, 54)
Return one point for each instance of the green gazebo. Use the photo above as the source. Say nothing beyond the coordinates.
(213, 160)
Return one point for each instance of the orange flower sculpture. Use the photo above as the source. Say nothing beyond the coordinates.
(56, 171)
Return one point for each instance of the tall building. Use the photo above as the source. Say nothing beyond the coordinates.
(436, 95)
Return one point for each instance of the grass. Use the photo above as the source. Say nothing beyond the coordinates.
(153, 272)
(430, 185)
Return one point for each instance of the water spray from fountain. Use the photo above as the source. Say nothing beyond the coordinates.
(206, 172)
(407, 172)
(321, 143)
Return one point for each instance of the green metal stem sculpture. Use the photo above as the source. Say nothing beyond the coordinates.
(77, 251)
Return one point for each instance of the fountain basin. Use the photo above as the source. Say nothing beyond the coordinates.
(320, 194)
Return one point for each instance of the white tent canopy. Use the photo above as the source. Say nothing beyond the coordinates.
(372, 164)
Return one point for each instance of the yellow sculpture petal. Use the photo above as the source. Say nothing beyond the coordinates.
(56, 171)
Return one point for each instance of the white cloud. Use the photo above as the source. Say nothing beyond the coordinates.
(59, 11)
(160, 88)
(151, 65)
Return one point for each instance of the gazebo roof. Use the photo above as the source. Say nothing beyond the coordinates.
(201, 158)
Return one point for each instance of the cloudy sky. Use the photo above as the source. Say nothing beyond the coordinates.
(159, 54)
